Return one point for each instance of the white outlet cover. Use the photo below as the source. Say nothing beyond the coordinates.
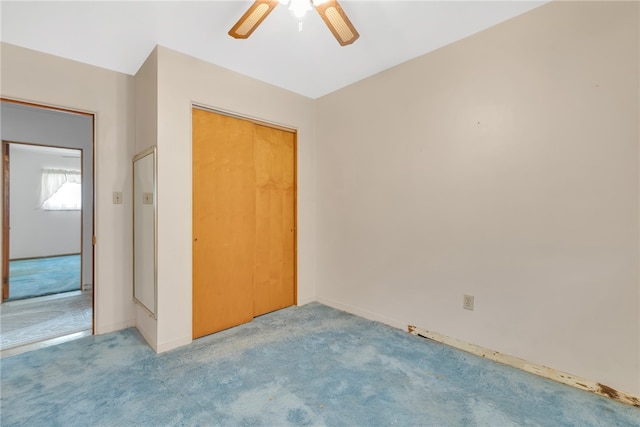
(467, 302)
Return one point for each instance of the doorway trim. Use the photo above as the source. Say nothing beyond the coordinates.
(5, 213)
(247, 118)
(5, 220)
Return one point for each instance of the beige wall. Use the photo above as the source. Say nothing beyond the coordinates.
(183, 81)
(503, 166)
(40, 78)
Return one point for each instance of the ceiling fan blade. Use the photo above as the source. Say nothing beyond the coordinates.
(252, 18)
(337, 21)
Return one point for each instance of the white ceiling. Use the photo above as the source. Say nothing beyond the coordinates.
(120, 35)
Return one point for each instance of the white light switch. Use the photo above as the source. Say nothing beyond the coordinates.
(147, 198)
(117, 197)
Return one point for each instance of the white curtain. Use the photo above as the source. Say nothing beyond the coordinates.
(53, 179)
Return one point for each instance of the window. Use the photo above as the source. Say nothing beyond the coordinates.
(61, 190)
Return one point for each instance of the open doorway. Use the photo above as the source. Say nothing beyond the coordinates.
(47, 292)
(45, 220)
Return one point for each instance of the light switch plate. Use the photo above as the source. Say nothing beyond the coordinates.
(147, 198)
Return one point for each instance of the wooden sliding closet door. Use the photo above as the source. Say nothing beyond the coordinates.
(243, 221)
(223, 222)
(274, 279)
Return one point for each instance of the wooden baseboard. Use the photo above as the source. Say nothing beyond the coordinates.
(542, 371)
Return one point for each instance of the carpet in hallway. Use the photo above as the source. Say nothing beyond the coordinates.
(36, 277)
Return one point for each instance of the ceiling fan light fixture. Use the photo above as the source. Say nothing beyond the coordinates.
(329, 10)
(299, 8)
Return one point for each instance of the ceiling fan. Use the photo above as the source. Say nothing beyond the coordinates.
(330, 11)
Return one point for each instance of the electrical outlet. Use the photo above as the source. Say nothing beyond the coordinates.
(467, 302)
(117, 197)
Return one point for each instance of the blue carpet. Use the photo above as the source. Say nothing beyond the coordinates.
(43, 276)
(309, 365)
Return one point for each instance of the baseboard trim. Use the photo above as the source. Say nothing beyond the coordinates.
(305, 301)
(362, 313)
(540, 370)
(167, 346)
(113, 327)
